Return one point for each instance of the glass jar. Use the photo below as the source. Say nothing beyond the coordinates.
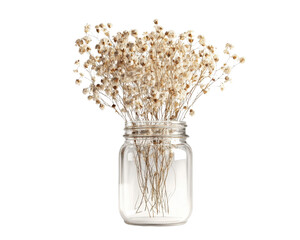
(155, 174)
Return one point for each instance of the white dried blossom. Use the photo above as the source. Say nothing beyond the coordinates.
(87, 28)
(227, 70)
(242, 60)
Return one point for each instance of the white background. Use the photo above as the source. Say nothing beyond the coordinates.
(59, 152)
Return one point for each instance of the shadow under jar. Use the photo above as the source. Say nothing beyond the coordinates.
(155, 174)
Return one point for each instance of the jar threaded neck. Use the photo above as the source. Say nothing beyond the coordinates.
(157, 129)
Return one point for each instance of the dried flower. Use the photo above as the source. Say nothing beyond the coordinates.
(242, 60)
(85, 91)
(227, 70)
(201, 40)
(87, 28)
(228, 46)
(234, 56)
(78, 81)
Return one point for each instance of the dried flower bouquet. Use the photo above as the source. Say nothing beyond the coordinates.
(156, 76)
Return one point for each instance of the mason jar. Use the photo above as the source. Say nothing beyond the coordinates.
(155, 174)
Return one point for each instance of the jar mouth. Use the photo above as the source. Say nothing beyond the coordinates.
(153, 123)
(159, 129)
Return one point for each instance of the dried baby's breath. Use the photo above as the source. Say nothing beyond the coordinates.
(156, 76)
(78, 81)
(242, 60)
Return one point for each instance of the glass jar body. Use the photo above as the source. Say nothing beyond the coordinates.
(155, 175)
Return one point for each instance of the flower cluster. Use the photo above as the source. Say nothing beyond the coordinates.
(150, 77)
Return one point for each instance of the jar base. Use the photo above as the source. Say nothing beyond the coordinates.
(157, 222)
